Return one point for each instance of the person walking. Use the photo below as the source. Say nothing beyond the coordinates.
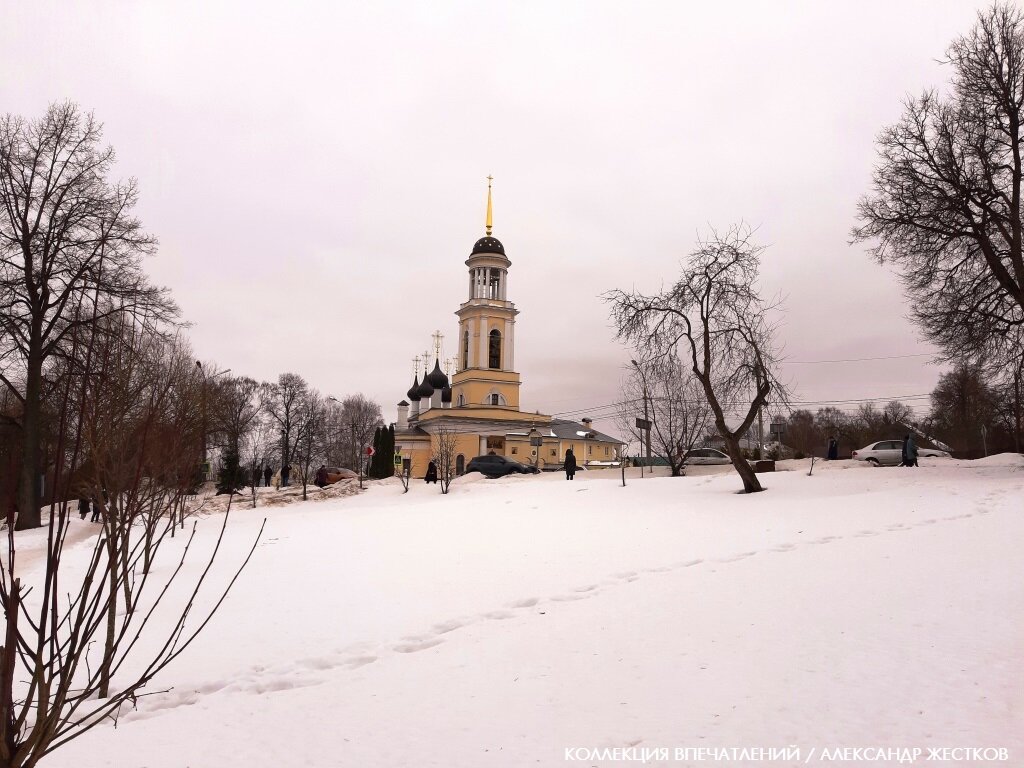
(833, 449)
(83, 507)
(285, 471)
(431, 476)
(95, 511)
(267, 474)
(909, 451)
(570, 464)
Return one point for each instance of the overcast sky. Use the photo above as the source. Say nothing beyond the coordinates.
(315, 171)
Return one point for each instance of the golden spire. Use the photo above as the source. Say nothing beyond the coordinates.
(489, 224)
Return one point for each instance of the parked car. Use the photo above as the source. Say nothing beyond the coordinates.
(498, 466)
(889, 453)
(706, 456)
(334, 474)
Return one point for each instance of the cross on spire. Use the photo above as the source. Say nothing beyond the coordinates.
(438, 337)
(488, 225)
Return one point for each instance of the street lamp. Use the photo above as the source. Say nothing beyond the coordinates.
(647, 418)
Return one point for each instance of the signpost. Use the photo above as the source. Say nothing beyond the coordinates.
(644, 425)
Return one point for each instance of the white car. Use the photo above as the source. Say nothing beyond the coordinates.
(890, 453)
(706, 456)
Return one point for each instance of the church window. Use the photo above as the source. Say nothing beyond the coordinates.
(494, 350)
(493, 283)
(465, 350)
(461, 402)
(554, 451)
(515, 451)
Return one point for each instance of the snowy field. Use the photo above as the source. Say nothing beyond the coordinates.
(515, 619)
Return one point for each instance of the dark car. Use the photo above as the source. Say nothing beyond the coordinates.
(498, 466)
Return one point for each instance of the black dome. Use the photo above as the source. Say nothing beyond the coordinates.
(488, 245)
(413, 394)
(425, 389)
(446, 394)
(436, 377)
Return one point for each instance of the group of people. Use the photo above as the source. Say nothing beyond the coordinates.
(85, 504)
(268, 474)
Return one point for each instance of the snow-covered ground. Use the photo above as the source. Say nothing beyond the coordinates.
(515, 619)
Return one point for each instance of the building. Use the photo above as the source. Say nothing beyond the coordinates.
(479, 406)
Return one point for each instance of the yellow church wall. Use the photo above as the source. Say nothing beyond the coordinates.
(475, 384)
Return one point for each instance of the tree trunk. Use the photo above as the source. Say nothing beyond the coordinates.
(746, 472)
(31, 438)
(108, 645)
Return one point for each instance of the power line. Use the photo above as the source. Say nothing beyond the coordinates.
(603, 408)
(855, 359)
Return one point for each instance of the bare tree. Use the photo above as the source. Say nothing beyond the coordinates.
(67, 239)
(311, 417)
(235, 407)
(444, 442)
(71, 657)
(716, 321)
(946, 200)
(284, 401)
(360, 416)
(258, 449)
(679, 411)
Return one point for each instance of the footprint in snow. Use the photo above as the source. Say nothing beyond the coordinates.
(527, 602)
(418, 646)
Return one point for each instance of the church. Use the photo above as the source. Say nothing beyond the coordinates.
(480, 402)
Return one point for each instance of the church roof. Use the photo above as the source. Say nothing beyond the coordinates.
(414, 394)
(571, 430)
(436, 377)
(488, 245)
(426, 389)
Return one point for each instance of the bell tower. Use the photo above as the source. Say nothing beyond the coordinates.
(485, 375)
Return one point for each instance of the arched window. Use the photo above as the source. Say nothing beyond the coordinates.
(460, 401)
(465, 350)
(494, 398)
(494, 350)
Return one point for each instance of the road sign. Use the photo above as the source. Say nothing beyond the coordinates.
(398, 459)
(643, 424)
(369, 450)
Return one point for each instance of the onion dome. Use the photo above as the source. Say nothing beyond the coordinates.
(425, 389)
(446, 394)
(488, 245)
(436, 377)
(414, 393)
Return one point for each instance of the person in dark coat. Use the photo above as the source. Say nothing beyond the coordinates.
(570, 464)
(285, 471)
(267, 474)
(96, 510)
(83, 507)
(431, 476)
(909, 452)
(833, 449)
